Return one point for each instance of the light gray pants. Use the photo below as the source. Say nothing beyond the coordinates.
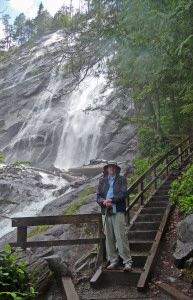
(116, 231)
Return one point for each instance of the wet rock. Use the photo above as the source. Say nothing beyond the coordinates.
(14, 170)
(98, 161)
(60, 191)
(88, 171)
(59, 267)
(37, 177)
(5, 189)
(46, 186)
(189, 263)
(184, 229)
(47, 252)
(184, 247)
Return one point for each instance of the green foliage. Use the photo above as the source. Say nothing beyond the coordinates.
(188, 274)
(1, 157)
(181, 192)
(74, 207)
(87, 192)
(150, 144)
(37, 230)
(14, 283)
(19, 163)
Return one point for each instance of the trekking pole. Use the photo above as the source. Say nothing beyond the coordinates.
(101, 237)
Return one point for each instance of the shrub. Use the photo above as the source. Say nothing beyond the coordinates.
(14, 283)
(150, 144)
(181, 192)
(1, 157)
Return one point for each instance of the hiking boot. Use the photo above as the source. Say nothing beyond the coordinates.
(112, 266)
(127, 267)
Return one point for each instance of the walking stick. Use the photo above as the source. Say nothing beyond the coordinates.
(101, 237)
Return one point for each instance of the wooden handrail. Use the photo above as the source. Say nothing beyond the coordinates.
(23, 223)
(155, 165)
(153, 182)
(55, 220)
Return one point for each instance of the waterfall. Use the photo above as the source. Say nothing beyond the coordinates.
(81, 130)
(55, 128)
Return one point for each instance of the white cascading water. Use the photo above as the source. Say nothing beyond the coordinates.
(81, 131)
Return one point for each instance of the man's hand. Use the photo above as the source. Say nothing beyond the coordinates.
(108, 203)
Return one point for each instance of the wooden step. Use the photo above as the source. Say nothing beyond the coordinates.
(139, 259)
(153, 203)
(161, 192)
(119, 277)
(165, 187)
(143, 226)
(140, 246)
(150, 210)
(147, 217)
(142, 235)
(160, 197)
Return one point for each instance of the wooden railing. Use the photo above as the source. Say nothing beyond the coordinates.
(23, 223)
(151, 177)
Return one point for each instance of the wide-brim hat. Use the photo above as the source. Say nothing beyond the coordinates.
(112, 163)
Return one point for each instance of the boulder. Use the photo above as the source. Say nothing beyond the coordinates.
(184, 247)
(59, 267)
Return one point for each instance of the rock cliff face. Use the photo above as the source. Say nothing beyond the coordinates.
(41, 124)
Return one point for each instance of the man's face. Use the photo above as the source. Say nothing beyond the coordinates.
(111, 170)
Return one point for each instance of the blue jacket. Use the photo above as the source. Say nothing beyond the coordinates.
(119, 191)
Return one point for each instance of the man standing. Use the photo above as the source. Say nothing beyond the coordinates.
(111, 194)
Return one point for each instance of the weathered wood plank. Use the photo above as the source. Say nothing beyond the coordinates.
(22, 234)
(173, 292)
(151, 258)
(69, 289)
(55, 220)
(55, 243)
(95, 280)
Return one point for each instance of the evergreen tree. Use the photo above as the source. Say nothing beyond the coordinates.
(8, 29)
(42, 21)
(20, 34)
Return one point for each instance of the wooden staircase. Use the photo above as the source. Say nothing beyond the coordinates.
(146, 230)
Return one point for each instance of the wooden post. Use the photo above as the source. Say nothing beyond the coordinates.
(102, 248)
(22, 234)
(188, 144)
(140, 189)
(179, 152)
(154, 185)
(127, 217)
(165, 165)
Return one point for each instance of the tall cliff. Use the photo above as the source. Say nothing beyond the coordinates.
(42, 124)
